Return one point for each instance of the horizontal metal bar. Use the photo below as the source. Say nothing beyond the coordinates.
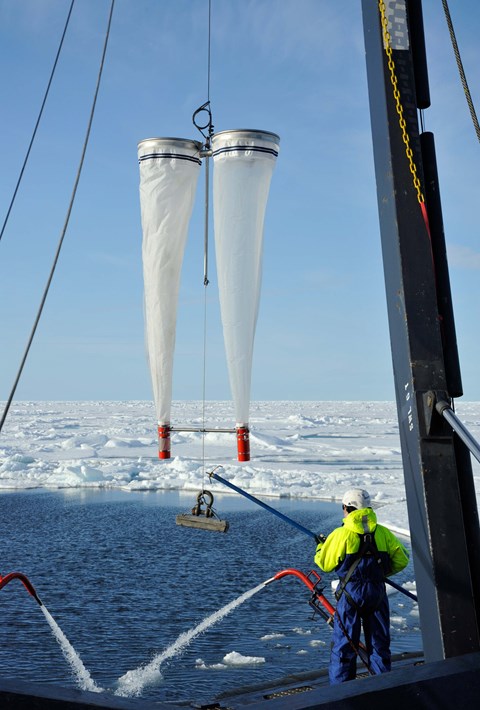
(201, 429)
(447, 413)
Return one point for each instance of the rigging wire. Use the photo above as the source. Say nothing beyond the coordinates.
(460, 68)
(67, 219)
(204, 377)
(207, 200)
(27, 155)
(206, 151)
(209, 54)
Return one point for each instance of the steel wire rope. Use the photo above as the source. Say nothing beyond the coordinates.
(204, 378)
(67, 219)
(209, 127)
(461, 71)
(209, 52)
(27, 155)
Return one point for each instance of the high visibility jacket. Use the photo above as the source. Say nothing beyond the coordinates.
(338, 552)
(362, 596)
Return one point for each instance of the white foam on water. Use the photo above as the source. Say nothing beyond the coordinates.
(237, 659)
(269, 637)
(231, 660)
(82, 676)
(202, 666)
(133, 682)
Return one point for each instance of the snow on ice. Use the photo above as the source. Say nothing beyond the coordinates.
(298, 449)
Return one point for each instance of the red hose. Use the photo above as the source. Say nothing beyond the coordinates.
(24, 580)
(310, 584)
(361, 650)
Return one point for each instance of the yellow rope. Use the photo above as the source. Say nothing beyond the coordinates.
(398, 104)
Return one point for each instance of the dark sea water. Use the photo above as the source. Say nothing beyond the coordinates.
(123, 581)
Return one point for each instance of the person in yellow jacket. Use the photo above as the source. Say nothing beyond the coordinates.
(363, 553)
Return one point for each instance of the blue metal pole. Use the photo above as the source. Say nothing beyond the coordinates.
(264, 505)
(400, 589)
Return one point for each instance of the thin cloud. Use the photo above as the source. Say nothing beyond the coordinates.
(120, 261)
(31, 15)
(462, 257)
(282, 31)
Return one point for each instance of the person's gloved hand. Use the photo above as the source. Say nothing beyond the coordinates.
(320, 540)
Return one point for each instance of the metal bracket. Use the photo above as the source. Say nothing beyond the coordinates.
(432, 418)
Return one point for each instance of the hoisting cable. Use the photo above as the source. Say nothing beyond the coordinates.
(27, 155)
(201, 126)
(67, 219)
(461, 71)
(204, 372)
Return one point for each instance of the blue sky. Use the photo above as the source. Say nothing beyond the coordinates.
(295, 67)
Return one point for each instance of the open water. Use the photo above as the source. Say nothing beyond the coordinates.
(124, 582)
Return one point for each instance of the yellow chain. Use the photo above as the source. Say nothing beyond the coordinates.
(398, 104)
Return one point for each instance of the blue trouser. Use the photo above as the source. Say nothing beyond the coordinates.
(376, 629)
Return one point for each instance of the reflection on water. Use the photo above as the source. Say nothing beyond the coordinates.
(124, 582)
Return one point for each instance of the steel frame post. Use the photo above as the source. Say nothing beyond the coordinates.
(446, 596)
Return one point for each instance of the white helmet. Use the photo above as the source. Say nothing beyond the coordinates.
(356, 498)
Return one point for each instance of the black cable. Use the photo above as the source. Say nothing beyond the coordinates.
(209, 47)
(208, 125)
(64, 230)
(461, 70)
(38, 121)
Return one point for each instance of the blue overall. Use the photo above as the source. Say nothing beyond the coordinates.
(364, 600)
